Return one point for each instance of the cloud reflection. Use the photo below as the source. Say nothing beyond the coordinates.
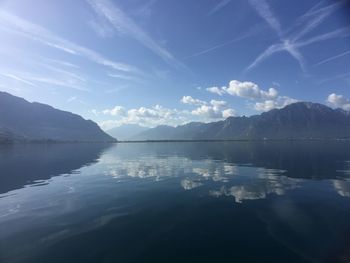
(241, 182)
(342, 187)
(189, 184)
(266, 183)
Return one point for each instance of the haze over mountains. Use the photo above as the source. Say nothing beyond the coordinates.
(126, 131)
(21, 120)
(301, 120)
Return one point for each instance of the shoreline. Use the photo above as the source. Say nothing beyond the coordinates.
(181, 141)
(232, 140)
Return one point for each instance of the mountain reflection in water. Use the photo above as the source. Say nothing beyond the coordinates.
(188, 202)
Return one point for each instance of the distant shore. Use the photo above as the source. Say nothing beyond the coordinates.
(236, 140)
(172, 141)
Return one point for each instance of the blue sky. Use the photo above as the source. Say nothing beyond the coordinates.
(155, 62)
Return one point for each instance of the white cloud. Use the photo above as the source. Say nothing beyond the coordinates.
(228, 113)
(278, 103)
(216, 90)
(116, 111)
(191, 101)
(245, 89)
(217, 109)
(218, 103)
(159, 115)
(204, 111)
(148, 117)
(339, 101)
(265, 99)
(208, 111)
(249, 90)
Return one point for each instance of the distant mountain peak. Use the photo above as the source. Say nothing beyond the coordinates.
(307, 104)
(126, 131)
(300, 120)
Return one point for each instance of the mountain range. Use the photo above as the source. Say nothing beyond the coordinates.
(301, 120)
(21, 120)
(126, 131)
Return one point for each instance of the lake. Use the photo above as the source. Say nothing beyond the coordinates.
(175, 202)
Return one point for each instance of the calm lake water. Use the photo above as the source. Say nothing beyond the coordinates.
(175, 202)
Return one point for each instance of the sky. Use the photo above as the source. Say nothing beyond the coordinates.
(165, 62)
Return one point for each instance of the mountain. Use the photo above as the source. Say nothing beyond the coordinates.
(21, 120)
(126, 131)
(301, 120)
(28, 164)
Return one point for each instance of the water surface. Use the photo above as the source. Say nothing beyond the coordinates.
(175, 202)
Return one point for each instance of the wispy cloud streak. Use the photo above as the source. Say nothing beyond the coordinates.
(125, 25)
(318, 16)
(219, 6)
(340, 76)
(125, 77)
(17, 78)
(338, 33)
(333, 58)
(264, 55)
(34, 79)
(264, 10)
(60, 62)
(251, 32)
(292, 42)
(14, 24)
(219, 46)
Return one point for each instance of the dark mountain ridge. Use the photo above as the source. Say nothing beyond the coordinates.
(21, 120)
(301, 120)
